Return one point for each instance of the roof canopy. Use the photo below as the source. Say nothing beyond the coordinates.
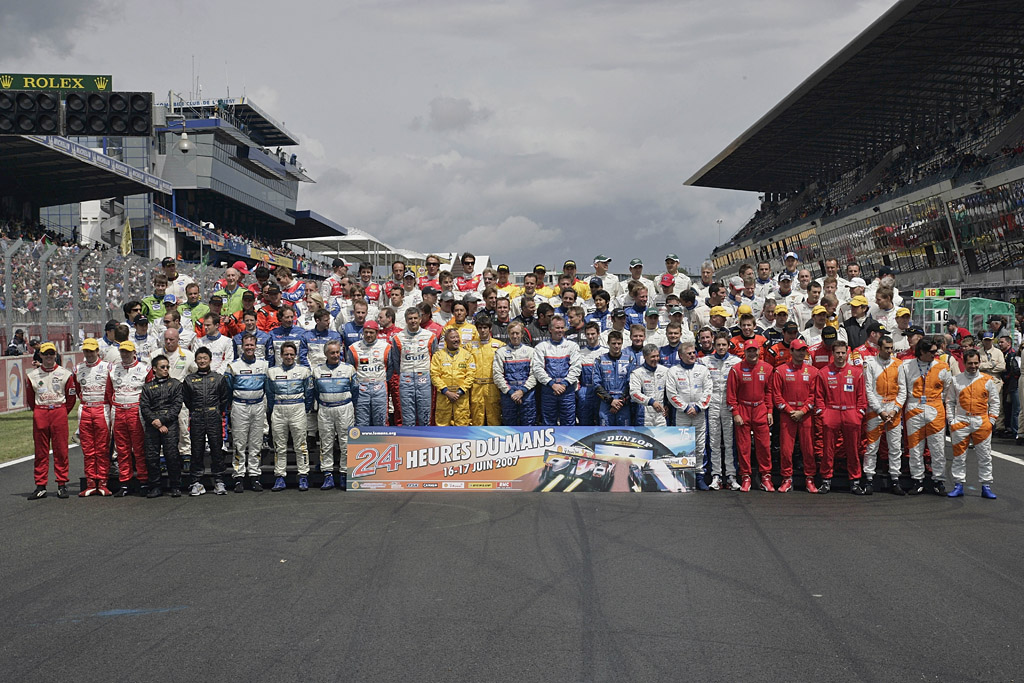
(912, 71)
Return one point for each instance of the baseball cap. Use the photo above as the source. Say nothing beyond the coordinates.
(819, 309)
(167, 261)
(744, 309)
(215, 299)
(993, 318)
(90, 344)
(830, 333)
(596, 282)
(371, 325)
(791, 254)
(874, 326)
(651, 312)
(952, 321)
(988, 335)
(409, 274)
(503, 268)
(171, 299)
(636, 262)
(428, 290)
(126, 346)
(736, 282)
(718, 310)
(797, 344)
(752, 347)
(111, 325)
(914, 330)
(859, 300)
(781, 308)
(569, 264)
(858, 282)
(601, 258)
(671, 257)
(447, 296)
(667, 279)
(791, 327)
(337, 263)
(619, 313)
(240, 267)
(140, 319)
(47, 347)
(785, 276)
(885, 270)
(470, 296)
(676, 309)
(540, 267)
(902, 311)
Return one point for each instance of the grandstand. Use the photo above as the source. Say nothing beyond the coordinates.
(904, 150)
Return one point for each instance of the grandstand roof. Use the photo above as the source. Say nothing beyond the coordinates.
(51, 170)
(916, 66)
(311, 224)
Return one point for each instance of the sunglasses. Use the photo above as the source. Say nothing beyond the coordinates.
(469, 263)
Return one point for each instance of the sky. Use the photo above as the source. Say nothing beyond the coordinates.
(531, 131)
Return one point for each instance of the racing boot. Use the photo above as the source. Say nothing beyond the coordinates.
(868, 485)
(916, 487)
(154, 492)
(731, 483)
(895, 488)
(239, 486)
(986, 492)
(786, 486)
(716, 483)
(855, 487)
(90, 488)
(809, 485)
(826, 486)
(303, 482)
(701, 484)
(766, 483)
(938, 487)
(279, 484)
(957, 492)
(745, 483)
(257, 485)
(328, 482)
(39, 493)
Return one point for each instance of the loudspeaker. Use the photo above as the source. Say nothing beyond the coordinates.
(114, 114)
(29, 112)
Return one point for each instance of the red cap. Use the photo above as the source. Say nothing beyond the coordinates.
(240, 267)
(667, 280)
(797, 344)
(371, 325)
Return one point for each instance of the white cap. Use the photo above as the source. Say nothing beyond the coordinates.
(858, 282)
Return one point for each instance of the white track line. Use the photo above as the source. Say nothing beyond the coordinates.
(1003, 456)
(71, 447)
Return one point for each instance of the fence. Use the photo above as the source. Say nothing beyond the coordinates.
(64, 294)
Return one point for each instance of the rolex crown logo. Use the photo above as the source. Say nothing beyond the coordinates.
(6, 81)
(101, 83)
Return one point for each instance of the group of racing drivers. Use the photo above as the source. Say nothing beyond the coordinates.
(831, 365)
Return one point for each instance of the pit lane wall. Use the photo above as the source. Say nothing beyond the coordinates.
(12, 379)
(544, 459)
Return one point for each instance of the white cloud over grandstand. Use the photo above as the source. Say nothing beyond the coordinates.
(528, 130)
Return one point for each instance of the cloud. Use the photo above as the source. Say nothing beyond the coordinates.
(454, 114)
(50, 26)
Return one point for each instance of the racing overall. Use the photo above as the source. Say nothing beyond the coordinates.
(611, 382)
(124, 386)
(587, 402)
(372, 364)
(161, 400)
(484, 399)
(511, 371)
(691, 386)
(332, 389)
(720, 424)
(410, 358)
(248, 384)
(557, 364)
(972, 406)
(94, 421)
(647, 387)
(841, 401)
(452, 371)
(206, 396)
(748, 392)
(925, 386)
(792, 391)
(290, 397)
(884, 392)
(51, 394)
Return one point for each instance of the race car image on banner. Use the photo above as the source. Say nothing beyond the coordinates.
(545, 459)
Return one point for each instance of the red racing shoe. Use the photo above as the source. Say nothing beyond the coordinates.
(786, 486)
(811, 488)
(745, 483)
(766, 483)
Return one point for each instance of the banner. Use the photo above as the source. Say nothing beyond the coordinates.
(267, 257)
(57, 82)
(545, 459)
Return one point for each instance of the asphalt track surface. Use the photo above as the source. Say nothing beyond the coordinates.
(522, 586)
